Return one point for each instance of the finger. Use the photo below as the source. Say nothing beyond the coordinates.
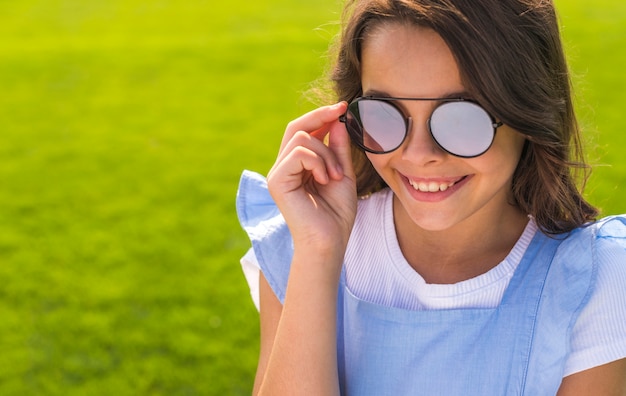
(339, 144)
(303, 140)
(291, 173)
(315, 122)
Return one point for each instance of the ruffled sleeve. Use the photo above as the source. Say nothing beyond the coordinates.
(599, 334)
(271, 240)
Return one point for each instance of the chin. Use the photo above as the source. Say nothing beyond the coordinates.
(434, 223)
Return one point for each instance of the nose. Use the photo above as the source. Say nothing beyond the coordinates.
(419, 145)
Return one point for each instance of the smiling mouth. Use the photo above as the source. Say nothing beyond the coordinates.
(433, 186)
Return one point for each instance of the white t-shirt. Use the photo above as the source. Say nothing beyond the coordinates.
(376, 271)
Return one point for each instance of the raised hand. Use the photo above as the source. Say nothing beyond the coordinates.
(313, 183)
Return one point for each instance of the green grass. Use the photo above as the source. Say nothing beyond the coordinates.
(125, 125)
(595, 36)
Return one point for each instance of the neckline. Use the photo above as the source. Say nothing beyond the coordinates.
(504, 271)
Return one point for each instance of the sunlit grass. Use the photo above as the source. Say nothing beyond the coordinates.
(595, 36)
(125, 128)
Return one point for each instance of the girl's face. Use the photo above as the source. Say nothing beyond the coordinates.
(434, 189)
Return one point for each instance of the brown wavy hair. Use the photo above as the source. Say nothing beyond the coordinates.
(511, 60)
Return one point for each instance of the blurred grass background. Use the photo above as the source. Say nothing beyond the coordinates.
(125, 126)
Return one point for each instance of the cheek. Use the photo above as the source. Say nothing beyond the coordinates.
(516, 148)
(374, 159)
(380, 165)
(510, 139)
(380, 162)
(505, 154)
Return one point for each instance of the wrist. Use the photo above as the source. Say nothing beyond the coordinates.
(320, 265)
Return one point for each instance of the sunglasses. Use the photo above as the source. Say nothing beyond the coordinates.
(459, 126)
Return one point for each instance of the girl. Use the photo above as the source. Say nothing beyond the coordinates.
(472, 265)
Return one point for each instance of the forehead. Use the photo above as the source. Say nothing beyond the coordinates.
(407, 60)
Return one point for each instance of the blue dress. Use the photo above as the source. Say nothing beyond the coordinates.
(517, 348)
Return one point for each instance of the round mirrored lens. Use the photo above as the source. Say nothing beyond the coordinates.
(384, 127)
(462, 128)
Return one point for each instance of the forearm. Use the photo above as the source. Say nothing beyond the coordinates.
(303, 358)
(313, 185)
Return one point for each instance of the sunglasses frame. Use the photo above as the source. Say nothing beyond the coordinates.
(408, 120)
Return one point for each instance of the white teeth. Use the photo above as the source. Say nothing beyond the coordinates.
(430, 186)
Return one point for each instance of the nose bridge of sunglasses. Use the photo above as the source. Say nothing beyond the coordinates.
(419, 137)
(418, 110)
(418, 114)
